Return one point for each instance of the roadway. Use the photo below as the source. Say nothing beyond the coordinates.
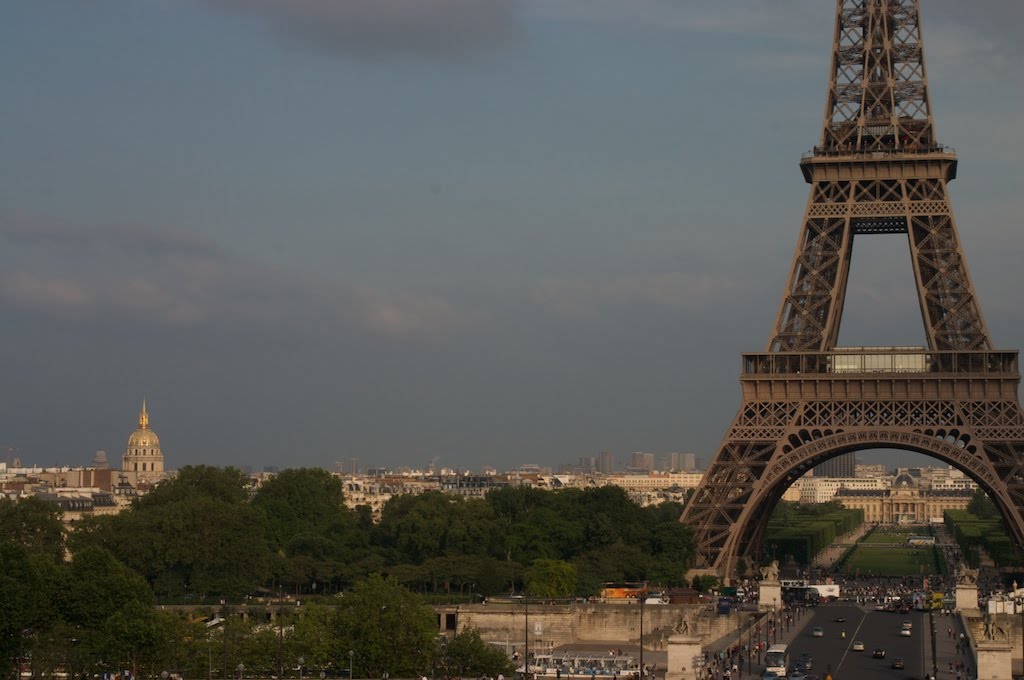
(875, 629)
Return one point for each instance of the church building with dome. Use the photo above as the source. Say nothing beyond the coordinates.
(143, 461)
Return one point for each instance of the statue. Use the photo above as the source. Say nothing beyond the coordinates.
(990, 628)
(966, 576)
(770, 572)
(686, 626)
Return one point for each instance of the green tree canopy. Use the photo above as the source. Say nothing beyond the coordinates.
(467, 655)
(389, 629)
(35, 524)
(29, 587)
(551, 579)
(197, 532)
(302, 502)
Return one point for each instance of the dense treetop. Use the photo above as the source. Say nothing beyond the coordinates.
(87, 599)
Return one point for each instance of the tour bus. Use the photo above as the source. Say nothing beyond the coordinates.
(776, 660)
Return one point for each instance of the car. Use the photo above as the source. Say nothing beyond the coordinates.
(908, 625)
(840, 619)
(818, 632)
(857, 646)
(897, 663)
(807, 660)
(879, 653)
(798, 667)
(904, 632)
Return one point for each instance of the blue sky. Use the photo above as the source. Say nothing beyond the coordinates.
(491, 231)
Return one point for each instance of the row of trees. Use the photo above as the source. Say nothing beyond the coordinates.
(800, 531)
(204, 535)
(201, 534)
(981, 528)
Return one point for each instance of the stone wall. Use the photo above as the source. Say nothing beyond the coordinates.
(553, 625)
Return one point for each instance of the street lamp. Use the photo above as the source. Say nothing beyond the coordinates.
(241, 669)
(643, 598)
(350, 655)
(1018, 602)
(526, 650)
(302, 660)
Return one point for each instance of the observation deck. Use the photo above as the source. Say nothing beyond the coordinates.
(881, 373)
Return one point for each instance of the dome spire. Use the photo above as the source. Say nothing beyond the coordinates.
(143, 416)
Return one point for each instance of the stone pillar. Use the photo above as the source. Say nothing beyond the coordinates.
(684, 656)
(994, 661)
(770, 595)
(966, 596)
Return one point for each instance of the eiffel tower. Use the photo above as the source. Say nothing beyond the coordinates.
(877, 169)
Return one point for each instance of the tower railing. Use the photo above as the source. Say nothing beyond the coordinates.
(885, 360)
(830, 152)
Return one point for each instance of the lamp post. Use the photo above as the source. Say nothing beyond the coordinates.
(350, 655)
(241, 669)
(739, 642)
(1018, 602)
(280, 633)
(302, 661)
(526, 650)
(643, 598)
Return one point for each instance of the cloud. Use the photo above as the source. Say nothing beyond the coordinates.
(748, 17)
(677, 290)
(141, 274)
(377, 28)
(985, 32)
(993, 26)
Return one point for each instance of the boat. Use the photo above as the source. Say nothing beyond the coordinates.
(580, 665)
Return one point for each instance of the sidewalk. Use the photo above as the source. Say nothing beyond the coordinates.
(760, 632)
(827, 557)
(947, 629)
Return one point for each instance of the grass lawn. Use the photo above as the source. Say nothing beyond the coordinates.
(901, 561)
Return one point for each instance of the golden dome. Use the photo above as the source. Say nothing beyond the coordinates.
(143, 438)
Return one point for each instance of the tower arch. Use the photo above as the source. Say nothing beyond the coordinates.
(752, 523)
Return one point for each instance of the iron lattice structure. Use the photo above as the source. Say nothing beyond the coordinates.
(877, 169)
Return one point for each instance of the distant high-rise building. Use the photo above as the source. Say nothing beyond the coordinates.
(606, 462)
(840, 466)
(588, 464)
(679, 462)
(641, 461)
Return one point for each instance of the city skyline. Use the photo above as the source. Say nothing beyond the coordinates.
(485, 231)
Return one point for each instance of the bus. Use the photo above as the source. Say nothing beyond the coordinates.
(624, 591)
(776, 660)
(827, 592)
(800, 596)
